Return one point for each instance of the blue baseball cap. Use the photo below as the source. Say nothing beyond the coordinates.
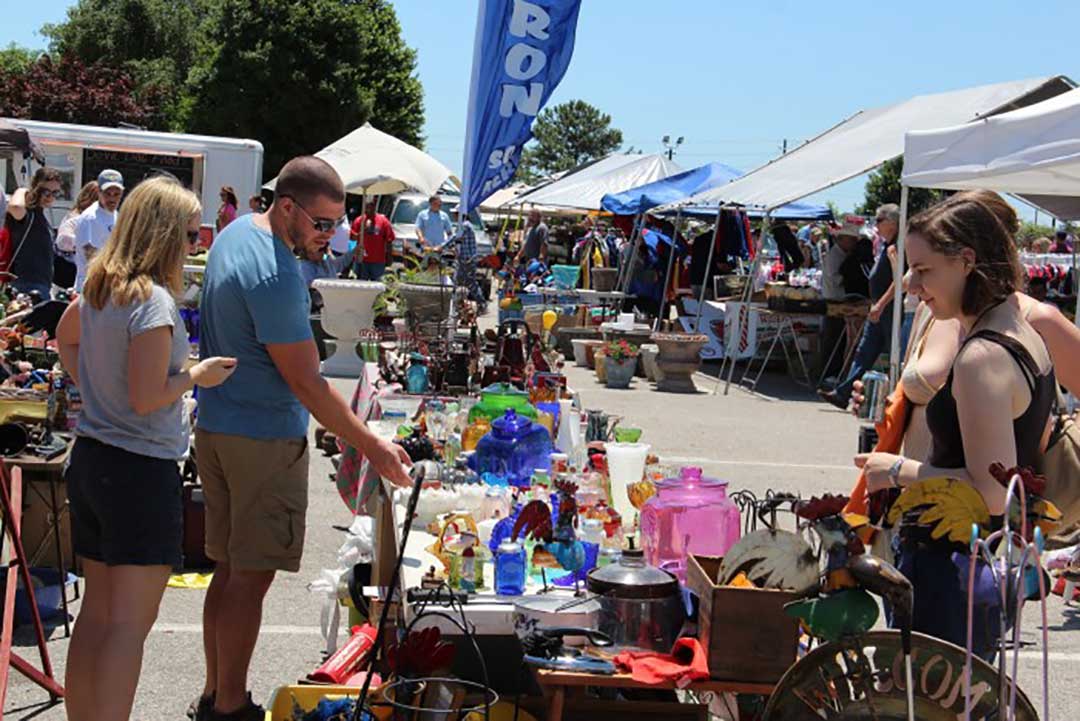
(110, 179)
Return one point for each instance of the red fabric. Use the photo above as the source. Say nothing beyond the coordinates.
(6, 251)
(687, 662)
(1059, 590)
(377, 236)
(749, 237)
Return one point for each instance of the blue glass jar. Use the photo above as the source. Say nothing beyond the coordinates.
(416, 377)
(514, 449)
(510, 569)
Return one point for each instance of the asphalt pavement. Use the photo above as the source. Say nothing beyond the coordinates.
(782, 438)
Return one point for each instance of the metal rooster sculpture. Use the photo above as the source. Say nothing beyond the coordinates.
(843, 608)
(559, 545)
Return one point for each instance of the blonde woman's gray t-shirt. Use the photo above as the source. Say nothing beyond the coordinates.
(104, 339)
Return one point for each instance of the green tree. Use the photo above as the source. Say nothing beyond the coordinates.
(155, 41)
(15, 60)
(883, 186)
(298, 74)
(566, 136)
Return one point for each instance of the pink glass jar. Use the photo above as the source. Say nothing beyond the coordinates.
(688, 514)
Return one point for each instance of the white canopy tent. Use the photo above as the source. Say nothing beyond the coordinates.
(1033, 152)
(372, 162)
(864, 141)
(585, 186)
(867, 139)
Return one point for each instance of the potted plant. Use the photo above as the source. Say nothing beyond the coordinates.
(417, 290)
(620, 361)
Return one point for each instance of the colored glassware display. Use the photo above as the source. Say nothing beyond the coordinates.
(513, 449)
(476, 430)
(498, 398)
(690, 514)
(510, 569)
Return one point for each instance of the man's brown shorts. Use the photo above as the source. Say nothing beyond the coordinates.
(256, 500)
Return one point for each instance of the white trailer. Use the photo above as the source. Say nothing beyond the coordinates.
(201, 162)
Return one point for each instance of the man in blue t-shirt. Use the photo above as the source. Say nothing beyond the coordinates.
(433, 226)
(251, 440)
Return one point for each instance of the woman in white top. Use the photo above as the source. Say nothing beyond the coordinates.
(64, 262)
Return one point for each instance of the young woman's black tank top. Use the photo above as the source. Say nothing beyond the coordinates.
(947, 447)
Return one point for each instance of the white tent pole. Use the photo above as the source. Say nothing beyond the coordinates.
(748, 294)
(708, 270)
(898, 290)
(667, 275)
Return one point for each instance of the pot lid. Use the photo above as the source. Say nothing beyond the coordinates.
(632, 578)
(503, 389)
(558, 605)
(691, 476)
(510, 425)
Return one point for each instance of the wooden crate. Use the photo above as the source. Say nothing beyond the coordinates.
(744, 630)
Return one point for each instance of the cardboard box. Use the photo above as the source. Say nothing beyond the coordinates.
(745, 631)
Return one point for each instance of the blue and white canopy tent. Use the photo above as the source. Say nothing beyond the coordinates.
(677, 188)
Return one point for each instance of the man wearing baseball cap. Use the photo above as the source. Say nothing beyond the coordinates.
(95, 224)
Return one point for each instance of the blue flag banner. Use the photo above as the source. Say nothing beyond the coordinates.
(522, 50)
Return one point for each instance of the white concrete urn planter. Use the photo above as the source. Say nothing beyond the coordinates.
(678, 359)
(347, 310)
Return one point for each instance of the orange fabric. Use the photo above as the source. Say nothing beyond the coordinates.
(890, 440)
(687, 662)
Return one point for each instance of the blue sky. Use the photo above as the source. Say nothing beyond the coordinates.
(733, 78)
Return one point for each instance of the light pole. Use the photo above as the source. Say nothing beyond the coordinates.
(670, 146)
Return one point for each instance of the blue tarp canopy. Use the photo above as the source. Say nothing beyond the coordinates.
(681, 186)
(671, 189)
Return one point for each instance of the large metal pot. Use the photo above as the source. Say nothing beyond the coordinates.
(641, 606)
(535, 612)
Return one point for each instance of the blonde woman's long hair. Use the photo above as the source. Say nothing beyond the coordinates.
(147, 246)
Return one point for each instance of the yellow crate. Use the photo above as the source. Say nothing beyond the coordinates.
(308, 697)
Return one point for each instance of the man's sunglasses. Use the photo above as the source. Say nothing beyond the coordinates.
(323, 225)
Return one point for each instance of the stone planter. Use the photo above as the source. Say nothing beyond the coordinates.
(428, 303)
(638, 336)
(649, 352)
(591, 347)
(565, 336)
(579, 353)
(347, 310)
(619, 373)
(678, 359)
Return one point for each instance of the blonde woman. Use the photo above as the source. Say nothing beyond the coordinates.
(125, 345)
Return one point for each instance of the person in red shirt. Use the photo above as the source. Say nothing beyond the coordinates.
(378, 237)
